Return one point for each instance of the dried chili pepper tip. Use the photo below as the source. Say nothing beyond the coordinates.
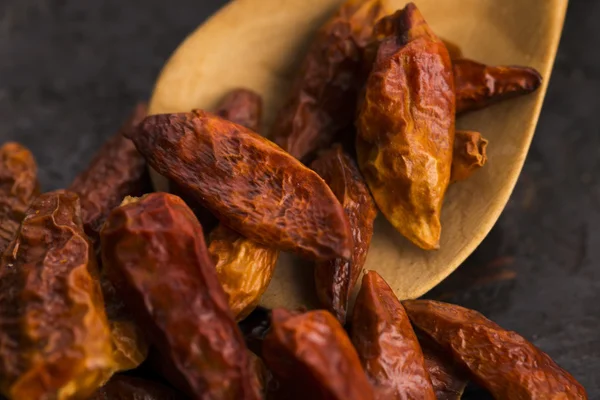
(322, 103)
(244, 268)
(501, 361)
(478, 85)
(397, 366)
(470, 154)
(312, 355)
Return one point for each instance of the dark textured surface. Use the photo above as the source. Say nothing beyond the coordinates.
(71, 70)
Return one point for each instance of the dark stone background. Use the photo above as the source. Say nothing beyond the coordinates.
(70, 71)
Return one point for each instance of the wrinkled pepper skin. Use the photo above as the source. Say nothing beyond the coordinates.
(154, 254)
(18, 187)
(248, 182)
(386, 343)
(312, 354)
(244, 268)
(117, 170)
(242, 107)
(54, 337)
(479, 85)
(335, 279)
(470, 154)
(501, 361)
(322, 100)
(406, 128)
(448, 380)
(122, 387)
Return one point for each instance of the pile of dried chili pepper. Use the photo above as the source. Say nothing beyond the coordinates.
(108, 277)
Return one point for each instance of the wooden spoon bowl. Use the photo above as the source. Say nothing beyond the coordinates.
(259, 44)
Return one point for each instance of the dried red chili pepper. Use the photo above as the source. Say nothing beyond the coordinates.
(448, 379)
(311, 352)
(117, 170)
(252, 185)
(121, 387)
(18, 187)
(54, 334)
(404, 152)
(244, 268)
(386, 343)
(501, 361)
(469, 154)
(322, 100)
(242, 107)
(479, 85)
(154, 253)
(335, 279)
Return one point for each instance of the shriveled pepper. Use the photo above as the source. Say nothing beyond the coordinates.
(335, 279)
(479, 85)
(18, 187)
(117, 170)
(54, 333)
(406, 127)
(313, 357)
(469, 154)
(386, 343)
(501, 361)
(154, 254)
(248, 182)
(322, 100)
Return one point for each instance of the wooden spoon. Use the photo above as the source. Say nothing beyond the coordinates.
(259, 44)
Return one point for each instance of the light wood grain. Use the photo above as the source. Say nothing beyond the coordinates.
(259, 43)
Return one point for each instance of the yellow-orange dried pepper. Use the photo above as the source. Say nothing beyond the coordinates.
(406, 127)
